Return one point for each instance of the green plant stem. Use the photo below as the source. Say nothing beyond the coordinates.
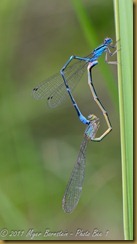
(124, 33)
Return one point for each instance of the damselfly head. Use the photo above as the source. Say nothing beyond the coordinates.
(108, 40)
(93, 117)
(92, 128)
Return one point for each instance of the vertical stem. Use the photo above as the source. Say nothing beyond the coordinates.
(124, 32)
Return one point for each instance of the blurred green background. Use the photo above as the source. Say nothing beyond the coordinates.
(39, 146)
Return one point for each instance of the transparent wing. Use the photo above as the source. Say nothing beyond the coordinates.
(74, 187)
(54, 90)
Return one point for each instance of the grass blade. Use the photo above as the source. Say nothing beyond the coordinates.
(124, 32)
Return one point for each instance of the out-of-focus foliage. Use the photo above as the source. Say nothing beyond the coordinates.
(38, 146)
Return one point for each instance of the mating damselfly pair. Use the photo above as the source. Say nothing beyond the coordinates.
(56, 89)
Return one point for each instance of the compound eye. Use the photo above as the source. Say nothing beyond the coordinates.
(106, 40)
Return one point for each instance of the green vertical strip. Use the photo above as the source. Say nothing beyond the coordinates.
(124, 32)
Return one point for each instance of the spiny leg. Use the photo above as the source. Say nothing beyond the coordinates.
(93, 91)
(111, 54)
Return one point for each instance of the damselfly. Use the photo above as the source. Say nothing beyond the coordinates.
(75, 183)
(55, 88)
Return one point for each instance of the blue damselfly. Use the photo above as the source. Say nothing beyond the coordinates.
(56, 88)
